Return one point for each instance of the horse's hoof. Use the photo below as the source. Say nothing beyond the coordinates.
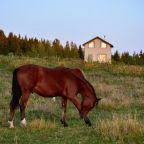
(23, 123)
(89, 124)
(11, 124)
(65, 125)
(62, 121)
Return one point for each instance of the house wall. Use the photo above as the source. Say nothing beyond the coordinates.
(97, 50)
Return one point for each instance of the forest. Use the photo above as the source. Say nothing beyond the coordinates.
(17, 45)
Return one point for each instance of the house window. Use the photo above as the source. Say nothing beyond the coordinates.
(90, 57)
(91, 45)
(102, 58)
(103, 45)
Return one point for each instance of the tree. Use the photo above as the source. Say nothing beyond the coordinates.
(116, 56)
(67, 50)
(24, 45)
(135, 58)
(47, 46)
(81, 53)
(3, 43)
(126, 58)
(11, 43)
(74, 50)
(57, 47)
(141, 58)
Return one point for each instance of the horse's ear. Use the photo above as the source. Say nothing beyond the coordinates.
(99, 99)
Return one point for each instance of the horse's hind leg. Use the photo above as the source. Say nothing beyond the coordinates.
(11, 115)
(23, 104)
(63, 114)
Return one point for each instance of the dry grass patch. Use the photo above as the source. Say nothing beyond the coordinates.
(116, 101)
(41, 124)
(120, 126)
(113, 96)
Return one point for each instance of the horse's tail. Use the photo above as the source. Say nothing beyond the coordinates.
(16, 91)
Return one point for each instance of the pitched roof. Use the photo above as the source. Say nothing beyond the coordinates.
(99, 39)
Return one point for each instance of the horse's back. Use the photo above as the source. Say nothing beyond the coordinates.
(49, 82)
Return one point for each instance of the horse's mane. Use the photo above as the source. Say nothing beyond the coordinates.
(84, 80)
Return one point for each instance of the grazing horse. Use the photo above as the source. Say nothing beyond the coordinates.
(46, 82)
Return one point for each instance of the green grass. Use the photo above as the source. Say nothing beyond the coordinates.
(119, 118)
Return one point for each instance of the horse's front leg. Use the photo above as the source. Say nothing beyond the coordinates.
(23, 104)
(63, 114)
(76, 102)
(86, 107)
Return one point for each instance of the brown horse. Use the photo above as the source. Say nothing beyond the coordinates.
(46, 82)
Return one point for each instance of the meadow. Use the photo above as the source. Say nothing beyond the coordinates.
(118, 119)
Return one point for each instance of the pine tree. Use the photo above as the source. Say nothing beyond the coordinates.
(141, 58)
(81, 53)
(135, 58)
(24, 45)
(74, 50)
(47, 46)
(11, 43)
(3, 43)
(126, 58)
(116, 56)
(57, 47)
(67, 50)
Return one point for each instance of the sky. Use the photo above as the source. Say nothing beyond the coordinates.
(121, 21)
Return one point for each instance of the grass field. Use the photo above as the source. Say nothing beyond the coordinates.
(118, 119)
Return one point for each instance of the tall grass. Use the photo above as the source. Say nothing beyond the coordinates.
(41, 123)
(119, 126)
(117, 70)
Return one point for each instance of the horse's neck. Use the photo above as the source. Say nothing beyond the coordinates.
(85, 89)
(88, 91)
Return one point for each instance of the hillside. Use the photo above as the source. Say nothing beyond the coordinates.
(119, 117)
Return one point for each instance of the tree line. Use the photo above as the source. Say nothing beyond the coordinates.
(126, 58)
(18, 45)
(33, 47)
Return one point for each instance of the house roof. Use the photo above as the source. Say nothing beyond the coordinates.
(99, 39)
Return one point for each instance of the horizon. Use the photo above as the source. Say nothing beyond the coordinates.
(121, 22)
